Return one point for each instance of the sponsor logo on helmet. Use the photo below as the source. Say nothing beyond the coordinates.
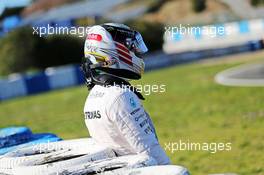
(93, 36)
(91, 48)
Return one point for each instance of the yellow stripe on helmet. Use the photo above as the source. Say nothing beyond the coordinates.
(97, 56)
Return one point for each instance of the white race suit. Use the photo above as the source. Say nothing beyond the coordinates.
(116, 118)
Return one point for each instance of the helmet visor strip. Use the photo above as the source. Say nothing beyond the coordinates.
(140, 45)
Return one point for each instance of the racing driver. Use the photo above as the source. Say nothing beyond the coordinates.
(113, 111)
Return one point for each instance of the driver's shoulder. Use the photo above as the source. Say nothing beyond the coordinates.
(115, 93)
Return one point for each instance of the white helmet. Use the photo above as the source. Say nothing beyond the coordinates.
(115, 49)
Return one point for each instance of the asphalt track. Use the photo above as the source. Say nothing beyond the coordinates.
(244, 75)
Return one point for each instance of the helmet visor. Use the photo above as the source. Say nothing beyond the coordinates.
(130, 38)
(140, 46)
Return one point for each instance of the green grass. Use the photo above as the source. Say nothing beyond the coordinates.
(193, 108)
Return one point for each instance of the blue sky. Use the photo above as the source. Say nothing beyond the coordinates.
(12, 3)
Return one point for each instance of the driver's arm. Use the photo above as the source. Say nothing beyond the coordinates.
(136, 127)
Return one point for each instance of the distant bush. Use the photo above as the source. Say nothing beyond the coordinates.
(21, 50)
(11, 11)
(156, 5)
(152, 32)
(17, 51)
(199, 5)
(257, 2)
(59, 50)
